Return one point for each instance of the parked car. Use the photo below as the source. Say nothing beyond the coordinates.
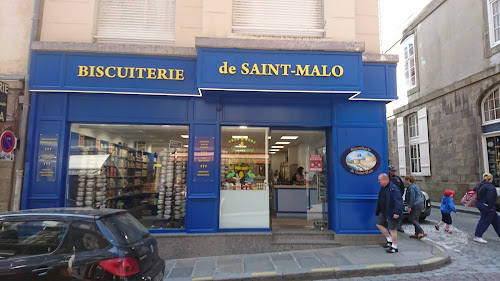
(427, 207)
(77, 244)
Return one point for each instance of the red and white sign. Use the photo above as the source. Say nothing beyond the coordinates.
(315, 163)
(8, 141)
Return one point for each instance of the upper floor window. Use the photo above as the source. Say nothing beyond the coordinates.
(491, 107)
(413, 126)
(494, 21)
(413, 140)
(415, 148)
(139, 22)
(299, 18)
(409, 62)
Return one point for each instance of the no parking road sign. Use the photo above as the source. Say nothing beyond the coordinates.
(8, 141)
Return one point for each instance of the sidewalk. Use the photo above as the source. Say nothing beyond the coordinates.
(340, 262)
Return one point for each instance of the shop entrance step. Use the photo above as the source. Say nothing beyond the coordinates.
(303, 239)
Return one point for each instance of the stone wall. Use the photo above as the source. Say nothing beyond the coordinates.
(455, 138)
(12, 123)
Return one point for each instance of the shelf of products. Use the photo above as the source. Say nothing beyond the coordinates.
(172, 185)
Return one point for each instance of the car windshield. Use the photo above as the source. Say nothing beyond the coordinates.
(21, 238)
(124, 228)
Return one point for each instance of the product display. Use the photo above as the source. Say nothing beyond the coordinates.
(92, 184)
(172, 184)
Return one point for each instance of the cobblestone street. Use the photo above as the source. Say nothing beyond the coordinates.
(470, 260)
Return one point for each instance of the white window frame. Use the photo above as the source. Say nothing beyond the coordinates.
(415, 164)
(409, 59)
(491, 22)
(493, 107)
(418, 139)
(136, 22)
(413, 144)
(289, 18)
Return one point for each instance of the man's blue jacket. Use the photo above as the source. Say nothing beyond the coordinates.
(393, 201)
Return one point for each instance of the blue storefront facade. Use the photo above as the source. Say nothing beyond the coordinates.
(288, 89)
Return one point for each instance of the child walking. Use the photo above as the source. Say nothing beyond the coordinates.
(447, 207)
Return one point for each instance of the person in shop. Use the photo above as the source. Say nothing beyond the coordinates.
(298, 177)
(389, 212)
(398, 182)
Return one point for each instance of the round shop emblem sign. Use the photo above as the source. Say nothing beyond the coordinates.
(360, 160)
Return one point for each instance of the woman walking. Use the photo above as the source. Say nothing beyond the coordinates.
(486, 200)
(415, 206)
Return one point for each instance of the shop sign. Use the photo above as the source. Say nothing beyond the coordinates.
(175, 144)
(280, 70)
(315, 163)
(360, 160)
(113, 73)
(4, 91)
(204, 152)
(47, 158)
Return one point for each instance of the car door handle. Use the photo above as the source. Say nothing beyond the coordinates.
(42, 270)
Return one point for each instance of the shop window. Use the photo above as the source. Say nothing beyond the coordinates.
(494, 21)
(279, 18)
(416, 147)
(140, 22)
(493, 152)
(244, 197)
(491, 107)
(410, 69)
(135, 167)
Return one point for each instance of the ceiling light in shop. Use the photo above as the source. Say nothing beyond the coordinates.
(185, 136)
(289, 137)
(282, 142)
(240, 137)
(274, 150)
(243, 127)
(277, 146)
(268, 137)
(186, 145)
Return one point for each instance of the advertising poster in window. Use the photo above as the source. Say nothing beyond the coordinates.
(47, 158)
(315, 163)
(203, 159)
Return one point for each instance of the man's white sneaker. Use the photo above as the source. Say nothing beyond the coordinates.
(479, 240)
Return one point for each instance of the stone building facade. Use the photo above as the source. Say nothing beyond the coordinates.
(15, 23)
(448, 69)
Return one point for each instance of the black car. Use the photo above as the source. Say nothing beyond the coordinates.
(427, 207)
(77, 244)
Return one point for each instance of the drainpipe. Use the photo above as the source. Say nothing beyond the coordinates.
(21, 153)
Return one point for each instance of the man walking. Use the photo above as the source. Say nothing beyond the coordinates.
(398, 182)
(389, 211)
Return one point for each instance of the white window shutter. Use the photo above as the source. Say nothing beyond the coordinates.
(401, 146)
(138, 22)
(423, 140)
(279, 17)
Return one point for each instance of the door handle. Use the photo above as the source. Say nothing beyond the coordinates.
(42, 270)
